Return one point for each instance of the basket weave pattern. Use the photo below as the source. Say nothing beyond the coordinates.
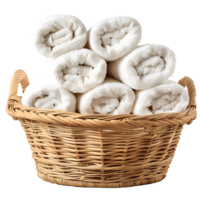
(100, 150)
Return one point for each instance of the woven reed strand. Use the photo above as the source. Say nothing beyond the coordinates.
(100, 150)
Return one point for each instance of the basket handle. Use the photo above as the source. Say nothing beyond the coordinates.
(18, 82)
(189, 83)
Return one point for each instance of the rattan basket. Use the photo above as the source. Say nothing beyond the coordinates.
(100, 150)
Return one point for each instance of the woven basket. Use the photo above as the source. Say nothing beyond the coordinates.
(100, 150)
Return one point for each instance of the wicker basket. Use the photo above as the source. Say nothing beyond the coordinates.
(100, 150)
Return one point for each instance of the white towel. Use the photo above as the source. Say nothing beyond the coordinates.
(111, 97)
(60, 34)
(144, 67)
(114, 37)
(46, 93)
(79, 71)
(164, 98)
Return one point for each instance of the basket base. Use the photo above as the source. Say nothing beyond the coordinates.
(61, 181)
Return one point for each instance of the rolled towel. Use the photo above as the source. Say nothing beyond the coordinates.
(79, 71)
(114, 37)
(144, 67)
(46, 93)
(111, 97)
(60, 34)
(164, 98)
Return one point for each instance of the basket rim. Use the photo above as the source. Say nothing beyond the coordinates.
(18, 111)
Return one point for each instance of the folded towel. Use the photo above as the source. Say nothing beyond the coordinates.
(114, 37)
(45, 92)
(60, 34)
(144, 67)
(79, 71)
(164, 98)
(111, 97)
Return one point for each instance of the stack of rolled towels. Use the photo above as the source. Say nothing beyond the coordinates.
(103, 70)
